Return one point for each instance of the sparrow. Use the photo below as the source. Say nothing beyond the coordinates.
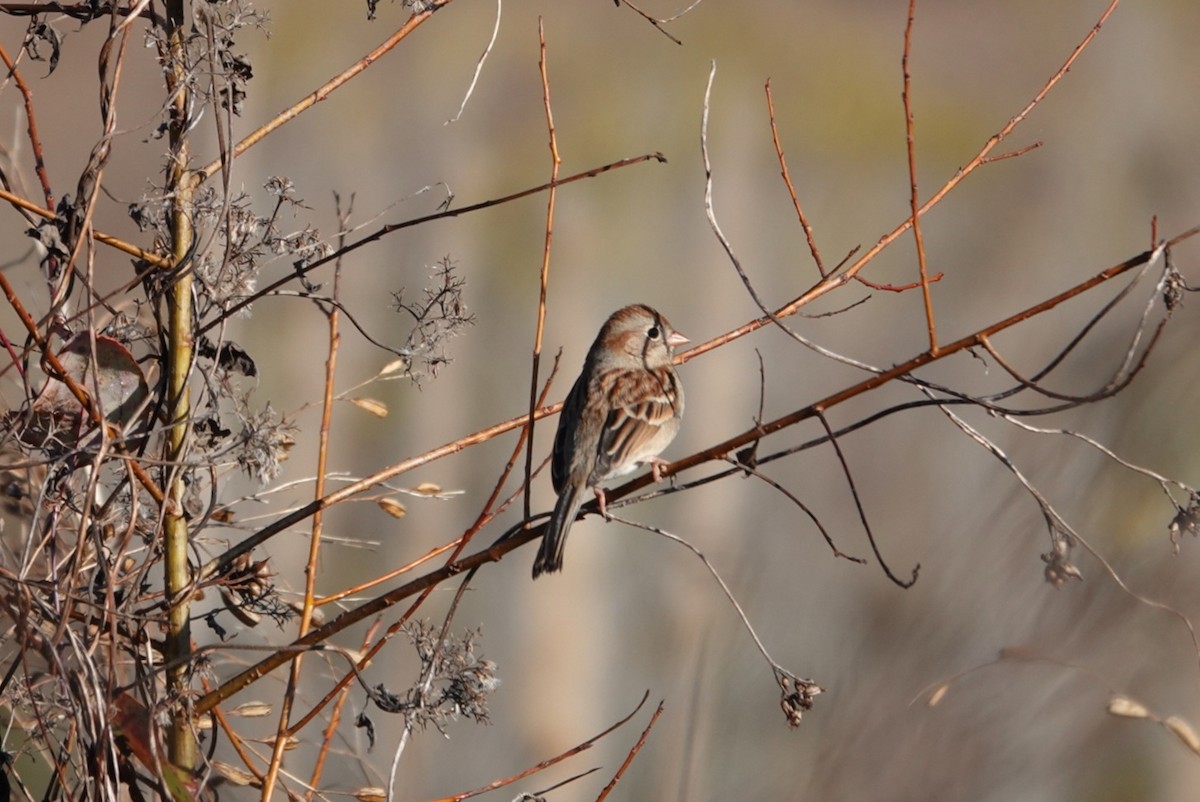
(622, 411)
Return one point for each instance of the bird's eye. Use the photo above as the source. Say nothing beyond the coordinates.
(653, 333)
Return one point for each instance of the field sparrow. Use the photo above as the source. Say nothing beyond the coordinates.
(623, 410)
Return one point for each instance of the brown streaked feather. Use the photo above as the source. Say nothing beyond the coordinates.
(569, 426)
(644, 418)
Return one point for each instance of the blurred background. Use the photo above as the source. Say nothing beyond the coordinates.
(633, 612)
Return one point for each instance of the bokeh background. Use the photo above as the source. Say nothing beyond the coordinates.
(633, 612)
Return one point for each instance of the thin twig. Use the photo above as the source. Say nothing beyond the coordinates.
(1061, 528)
(787, 180)
(479, 65)
(545, 764)
(762, 649)
(333, 319)
(637, 747)
(305, 269)
(862, 514)
(657, 23)
(544, 274)
(792, 497)
(838, 278)
(914, 199)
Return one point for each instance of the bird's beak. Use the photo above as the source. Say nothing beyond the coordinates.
(676, 339)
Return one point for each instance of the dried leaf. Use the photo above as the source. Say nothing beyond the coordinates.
(1184, 732)
(428, 489)
(41, 32)
(229, 355)
(252, 710)
(131, 719)
(233, 773)
(297, 607)
(1126, 707)
(235, 605)
(376, 408)
(938, 694)
(392, 507)
(370, 793)
(395, 366)
(118, 378)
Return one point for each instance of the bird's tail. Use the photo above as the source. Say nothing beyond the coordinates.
(550, 553)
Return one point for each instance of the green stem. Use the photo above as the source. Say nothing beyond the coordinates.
(181, 743)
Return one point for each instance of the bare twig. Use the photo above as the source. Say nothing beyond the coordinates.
(544, 274)
(796, 698)
(914, 200)
(637, 747)
(787, 180)
(393, 227)
(479, 64)
(862, 514)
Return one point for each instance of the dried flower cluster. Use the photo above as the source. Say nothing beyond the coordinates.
(454, 682)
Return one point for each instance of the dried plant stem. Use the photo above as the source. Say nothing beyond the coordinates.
(284, 731)
(544, 275)
(483, 57)
(179, 355)
(745, 619)
(333, 316)
(545, 764)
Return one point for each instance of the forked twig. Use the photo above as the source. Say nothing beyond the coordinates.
(545, 764)
(637, 747)
(837, 278)
(752, 471)
(1058, 567)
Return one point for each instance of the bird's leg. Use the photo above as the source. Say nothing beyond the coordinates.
(656, 466)
(600, 503)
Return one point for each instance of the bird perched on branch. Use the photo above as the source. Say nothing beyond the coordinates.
(623, 410)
